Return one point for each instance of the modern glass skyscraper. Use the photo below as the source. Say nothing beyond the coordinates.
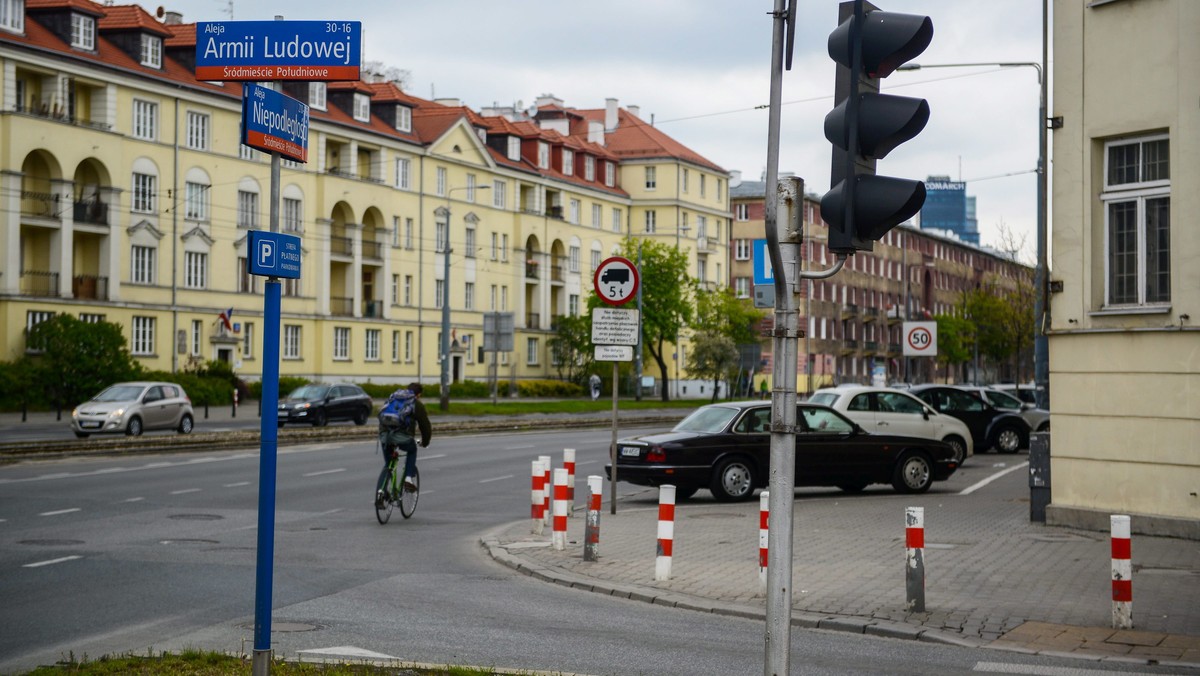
(946, 209)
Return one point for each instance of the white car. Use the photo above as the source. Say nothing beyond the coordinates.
(884, 410)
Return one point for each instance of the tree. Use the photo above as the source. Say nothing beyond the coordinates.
(955, 340)
(722, 314)
(78, 359)
(714, 356)
(571, 346)
(399, 76)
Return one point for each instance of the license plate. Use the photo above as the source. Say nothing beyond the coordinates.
(89, 424)
(630, 451)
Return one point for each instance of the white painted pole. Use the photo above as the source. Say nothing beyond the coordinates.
(666, 532)
(764, 510)
(535, 504)
(547, 465)
(591, 537)
(569, 464)
(559, 536)
(914, 539)
(1122, 572)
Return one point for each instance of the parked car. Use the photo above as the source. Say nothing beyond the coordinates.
(991, 428)
(132, 408)
(1026, 392)
(319, 404)
(726, 448)
(1038, 418)
(888, 411)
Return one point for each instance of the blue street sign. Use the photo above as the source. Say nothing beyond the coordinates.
(273, 122)
(762, 263)
(249, 51)
(274, 254)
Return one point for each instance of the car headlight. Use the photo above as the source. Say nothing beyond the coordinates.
(304, 405)
(117, 413)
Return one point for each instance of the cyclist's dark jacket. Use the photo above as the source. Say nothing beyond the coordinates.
(422, 419)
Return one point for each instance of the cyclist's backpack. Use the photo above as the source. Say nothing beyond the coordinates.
(399, 410)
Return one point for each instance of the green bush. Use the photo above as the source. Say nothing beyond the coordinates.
(470, 389)
(380, 390)
(549, 388)
(286, 385)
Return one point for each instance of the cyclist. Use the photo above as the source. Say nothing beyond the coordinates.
(405, 440)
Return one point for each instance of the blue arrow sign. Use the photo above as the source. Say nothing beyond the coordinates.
(763, 274)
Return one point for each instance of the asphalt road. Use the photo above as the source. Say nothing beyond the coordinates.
(106, 556)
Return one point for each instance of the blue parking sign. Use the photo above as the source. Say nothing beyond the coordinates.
(763, 274)
(274, 254)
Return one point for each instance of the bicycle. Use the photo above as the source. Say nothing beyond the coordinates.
(396, 492)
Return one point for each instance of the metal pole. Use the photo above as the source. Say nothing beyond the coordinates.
(1041, 283)
(612, 447)
(444, 389)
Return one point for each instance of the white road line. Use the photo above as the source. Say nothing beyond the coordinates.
(517, 448)
(1038, 670)
(185, 490)
(240, 483)
(327, 471)
(133, 500)
(430, 457)
(588, 462)
(61, 511)
(39, 564)
(59, 475)
(496, 478)
(971, 489)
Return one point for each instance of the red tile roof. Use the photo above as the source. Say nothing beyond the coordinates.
(132, 17)
(634, 139)
(182, 35)
(79, 5)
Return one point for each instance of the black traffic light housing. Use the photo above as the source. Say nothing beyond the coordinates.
(864, 125)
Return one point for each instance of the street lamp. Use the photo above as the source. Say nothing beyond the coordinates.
(444, 390)
(1041, 357)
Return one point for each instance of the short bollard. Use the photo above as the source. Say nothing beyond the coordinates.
(914, 541)
(591, 535)
(569, 464)
(764, 511)
(559, 535)
(547, 465)
(666, 532)
(1122, 573)
(536, 498)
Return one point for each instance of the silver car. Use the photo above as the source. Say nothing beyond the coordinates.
(1038, 418)
(133, 407)
(884, 410)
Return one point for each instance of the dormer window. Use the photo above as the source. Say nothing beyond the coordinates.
(403, 118)
(151, 51)
(568, 158)
(543, 155)
(514, 148)
(589, 167)
(610, 174)
(83, 31)
(362, 107)
(12, 15)
(316, 95)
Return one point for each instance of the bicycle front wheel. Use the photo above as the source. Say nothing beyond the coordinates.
(383, 507)
(408, 496)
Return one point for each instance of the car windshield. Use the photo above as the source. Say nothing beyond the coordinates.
(309, 392)
(1002, 399)
(824, 421)
(710, 419)
(824, 398)
(120, 393)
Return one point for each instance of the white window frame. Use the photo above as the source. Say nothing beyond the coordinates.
(470, 190)
(362, 107)
(589, 168)
(196, 339)
(341, 343)
(142, 336)
(408, 290)
(151, 51)
(195, 270)
(742, 249)
(293, 335)
(248, 340)
(573, 212)
(543, 156)
(12, 15)
(145, 119)
(616, 219)
(403, 118)
(83, 31)
(195, 201)
(395, 347)
(317, 94)
(651, 221)
(371, 345)
(143, 264)
(651, 178)
(469, 298)
(292, 214)
(568, 162)
(408, 347)
(1140, 193)
(499, 196)
(143, 197)
(532, 351)
(514, 148)
(741, 211)
(198, 125)
(610, 174)
(573, 257)
(247, 209)
(597, 216)
(404, 173)
(439, 286)
(441, 181)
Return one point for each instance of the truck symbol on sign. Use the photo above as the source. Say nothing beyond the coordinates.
(615, 278)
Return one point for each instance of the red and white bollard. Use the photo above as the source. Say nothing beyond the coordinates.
(569, 464)
(1122, 573)
(914, 542)
(559, 535)
(547, 465)
(591, 535)
(764, 511)
(666, 532)
(535, 505)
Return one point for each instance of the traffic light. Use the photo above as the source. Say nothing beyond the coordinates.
(864, 125)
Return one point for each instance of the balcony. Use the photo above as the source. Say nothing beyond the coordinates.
(40, 204)
(89, 286)
(91, 211)
(341, 307)
(341, 245)
(849, 346)
(894, 349)
(556, 273)
(555, 211)
(849, 310)
(870, 313)
(58, 114)
(372, 249)
(871, 347)
(705, 246)
(372, 308)
(533, 320)
(531, 270)
(39, 283)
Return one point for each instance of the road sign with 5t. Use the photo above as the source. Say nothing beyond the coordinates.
(616, 281)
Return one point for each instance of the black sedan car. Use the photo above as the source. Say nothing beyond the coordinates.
(991, 428)
(318, 404)
(726, 449)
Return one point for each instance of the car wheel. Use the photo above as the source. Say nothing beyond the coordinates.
(134, 428)
(360, 418)
(81, 435)
(959, 446)
(914, 473)
(852, 488)
(1045, 427)
(733, 480)
(1008, 439)
(319, 419)
(685, 492)
(185, 424)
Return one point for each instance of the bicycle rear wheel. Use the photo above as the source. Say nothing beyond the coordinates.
(408, 496)
(385, 503)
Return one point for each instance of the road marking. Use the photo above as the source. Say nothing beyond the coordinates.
(1037, 670)
(588, 462)
(39, 564)
(496, 478)
(240, 483)
(349, 651)
(327, 471)
(61, 511)
(517, 448)
(971, 489)
(54, 476)
(133, 500)
(431, 457)
(185, 490)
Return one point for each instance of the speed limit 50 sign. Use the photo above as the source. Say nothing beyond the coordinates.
(920, 339)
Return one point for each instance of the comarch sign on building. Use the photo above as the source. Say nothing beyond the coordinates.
(273, 122)
(247, 51)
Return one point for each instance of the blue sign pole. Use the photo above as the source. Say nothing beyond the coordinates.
(269, 444)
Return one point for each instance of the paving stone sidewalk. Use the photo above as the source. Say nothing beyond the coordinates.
(992, 578)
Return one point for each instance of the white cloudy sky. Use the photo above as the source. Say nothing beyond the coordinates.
(701, 70)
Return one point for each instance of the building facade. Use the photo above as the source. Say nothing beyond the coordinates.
(1124, 368)
(947, 207)
(127, 197)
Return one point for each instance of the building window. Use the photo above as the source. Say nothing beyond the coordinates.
(651, 178)
(408, 233)
(143, 336)
(573, 257)
(686, 173)
(151, 51)
(504, 247)
(362, 107)
(408, 289)
(504, 298)
(703, 183)
(197, 337)
(573, 305)
(145, 120)
(439, 288)
(651, 218)
(531, 351)
(141, 265)
(495, 245)
(371, 348)
(741, 287)
(741, 249)
(741, 212)
(12, 15)
(469, 243)
(247, 283)
(568, 162)
(492, 299)
(441, 181)
(589, 167)
(498, 196)
(441, 237)
(341, 342)
(408, 346)
(247, 214)
(291, 341)
(197, 131)
(595, 259)
(245, 152)
(610, 174)
(395, 289)
(574, 212)
(543, 155)
(248, 340)
(403, 118)
(91, 317)
(470, 188)
(83, 31)
(404, 173)
(316, 95)
(195, 270)
(616, 220)
(1137, 215)
(293, 215)
(195, 205)
(514, 148)
(144, 186)
(597, 216)
(395, 346)
(469, 300)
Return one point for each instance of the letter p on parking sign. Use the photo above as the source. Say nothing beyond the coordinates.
(274, 254)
